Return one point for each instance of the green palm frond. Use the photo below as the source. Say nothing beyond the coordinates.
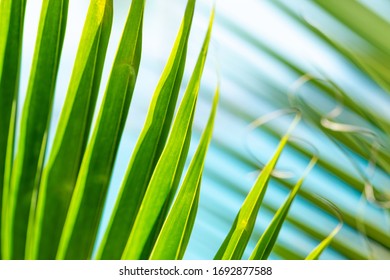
(257, 194)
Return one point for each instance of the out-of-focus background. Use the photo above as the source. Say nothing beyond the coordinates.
(328, 58)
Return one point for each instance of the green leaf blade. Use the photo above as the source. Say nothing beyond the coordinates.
(11, 32)
(268, 239)
(174, 236)
(34, 124)
(87, 202)
(149, 146)
(60, 175)
(369, 26)
(166, 170)
(237, 239)
(317, 251)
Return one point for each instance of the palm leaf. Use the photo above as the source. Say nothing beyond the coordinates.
(238, 237)
(60, 174)
(268, 239)
(87, 202)
(26, 170)
(168, 166)
(316, 252)
(176, 231)
(149, 146)
(327, 59)
(11, 31)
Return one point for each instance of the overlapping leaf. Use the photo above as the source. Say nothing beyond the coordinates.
(149, 145)
(176, 231)
(237, 239)
(87, 202)
(59, 177)
(26, 170)
(11, 33)
(167, 168)
(267, 240)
